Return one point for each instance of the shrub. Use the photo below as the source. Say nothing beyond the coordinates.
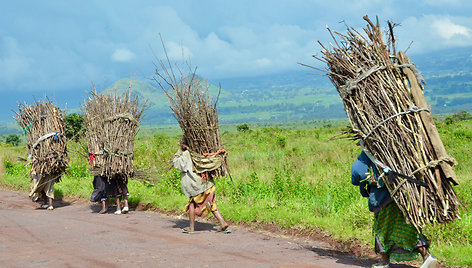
(13, 140)
(74, 126)
(242, 127)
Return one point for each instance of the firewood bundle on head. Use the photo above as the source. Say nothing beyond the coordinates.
(43, 127)
(195, 111)
(94, 118)
(112, 123)
(383, 97)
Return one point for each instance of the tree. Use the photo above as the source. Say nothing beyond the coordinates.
(74, 126)
(242, 127)
(13, 139)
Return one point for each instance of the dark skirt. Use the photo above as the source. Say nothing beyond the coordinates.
(116, 187)
(104, 188)
(98, 193)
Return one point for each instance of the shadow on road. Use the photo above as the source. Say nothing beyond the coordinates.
(345, 258)
(199, 226)
(57, 203)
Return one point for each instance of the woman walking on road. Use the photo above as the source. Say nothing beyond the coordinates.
(394, 238)
(199, 187)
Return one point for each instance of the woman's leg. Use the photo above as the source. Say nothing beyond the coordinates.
(385, 258)
(125, 208)
(50, 207)
(118, 205)
(223, 224)
(104, 207)
(191, 216)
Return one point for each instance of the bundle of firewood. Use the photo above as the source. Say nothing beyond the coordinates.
(382, 91)
(111, 125)
(94, 118)
(43, 127)
(194, 110)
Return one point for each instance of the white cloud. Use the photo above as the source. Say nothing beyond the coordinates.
(447, 29)
(122, 55)
(434, 32)
(223, 40)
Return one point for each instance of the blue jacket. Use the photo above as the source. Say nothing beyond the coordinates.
(379, 196)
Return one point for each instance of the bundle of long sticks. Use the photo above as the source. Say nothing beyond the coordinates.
(193, 108)
(383, 97)
(43, 126)
(94, 118)
(112, 123)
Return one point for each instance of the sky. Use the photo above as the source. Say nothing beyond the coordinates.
(66, 45)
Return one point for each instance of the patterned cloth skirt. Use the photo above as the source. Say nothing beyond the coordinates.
(394, 236)
(204, 202)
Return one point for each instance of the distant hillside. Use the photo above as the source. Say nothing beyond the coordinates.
(305, 94)
(297, 95)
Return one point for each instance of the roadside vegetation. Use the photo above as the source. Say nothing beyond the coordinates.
(295, 178)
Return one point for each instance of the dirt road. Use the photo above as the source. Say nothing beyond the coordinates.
(74, 235)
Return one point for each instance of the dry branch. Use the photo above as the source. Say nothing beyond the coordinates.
(193, 108)
(43, 127)
(383, 97)
(111, 123)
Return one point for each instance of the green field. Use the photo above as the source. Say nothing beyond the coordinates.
(291, 175)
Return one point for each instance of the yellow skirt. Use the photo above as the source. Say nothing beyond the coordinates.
(204, 202)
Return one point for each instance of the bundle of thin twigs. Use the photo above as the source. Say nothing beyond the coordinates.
(111, 124)
(194, 110)
(94, 118)
(43, 126)
(384, 101)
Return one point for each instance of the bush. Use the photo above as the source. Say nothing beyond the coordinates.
(74, 126)
(459, 116)
(242, 127)
(13, 140)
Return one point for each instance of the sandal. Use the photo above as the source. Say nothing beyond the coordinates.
(225, 229)
(381, 265)
(185, 231)
(430, 262)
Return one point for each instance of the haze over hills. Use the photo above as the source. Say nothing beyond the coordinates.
(293, 95)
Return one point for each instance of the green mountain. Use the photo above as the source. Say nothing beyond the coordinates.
(296, 95)
(157, 105)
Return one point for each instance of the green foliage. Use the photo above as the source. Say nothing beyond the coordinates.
(459, 116)
(294, 178)
(74, 126)
(13, 140)
(242, 127)
(14, 169)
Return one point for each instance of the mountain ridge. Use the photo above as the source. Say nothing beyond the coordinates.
(294, 95)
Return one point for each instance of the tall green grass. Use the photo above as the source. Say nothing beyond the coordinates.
(293, 178)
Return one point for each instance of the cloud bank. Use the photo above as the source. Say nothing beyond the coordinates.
(54, 45)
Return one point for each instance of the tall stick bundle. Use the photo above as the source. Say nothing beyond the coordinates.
(384, 101)
(194, 110)
(94, 118)
(112, 123)
(43, 126)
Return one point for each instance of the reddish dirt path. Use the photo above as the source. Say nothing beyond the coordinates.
(74, 235)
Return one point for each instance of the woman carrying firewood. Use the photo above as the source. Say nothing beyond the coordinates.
(104, 188)
(198, 185)
(394, 238)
